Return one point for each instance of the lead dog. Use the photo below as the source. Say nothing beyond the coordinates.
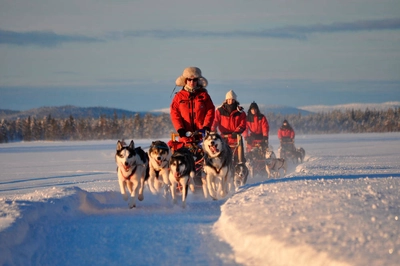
(182, 171)
(218, 166)
(159, 156)
(273, 164)
(132, 170)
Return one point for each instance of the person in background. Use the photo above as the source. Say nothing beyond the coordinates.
(257, 128)
(230, 121)
(286, 136)
(192, 108)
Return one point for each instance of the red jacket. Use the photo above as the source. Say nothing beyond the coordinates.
(258, 128)
(285, 132)
(228, 123)
(192, 111)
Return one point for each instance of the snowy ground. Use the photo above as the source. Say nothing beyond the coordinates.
(60, 205)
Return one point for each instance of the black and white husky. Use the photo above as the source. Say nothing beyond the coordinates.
(218, 166)
(241, 174)
(273, 165)
(133, 171)
(159, 156)
(182, 171)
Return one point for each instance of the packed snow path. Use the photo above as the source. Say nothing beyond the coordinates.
(60, 205)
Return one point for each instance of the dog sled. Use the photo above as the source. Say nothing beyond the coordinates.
(193, 144)
(289, 152)
(256, 158)
(241, 169)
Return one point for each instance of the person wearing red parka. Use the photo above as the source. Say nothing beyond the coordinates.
(257, 128)
(230, 121)
(286, 135)
(192, 108)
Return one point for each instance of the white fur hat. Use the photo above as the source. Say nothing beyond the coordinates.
(230, 95)
(191, 72)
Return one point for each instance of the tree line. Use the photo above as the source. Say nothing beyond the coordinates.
(156, 126)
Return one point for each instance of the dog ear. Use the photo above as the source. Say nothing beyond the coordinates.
(132, 145)
(119, 145)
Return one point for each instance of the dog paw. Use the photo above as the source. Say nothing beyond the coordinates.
(140, 197)
(191, 187)
(132, 204)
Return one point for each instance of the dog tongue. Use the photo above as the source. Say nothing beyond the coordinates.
(214, 149)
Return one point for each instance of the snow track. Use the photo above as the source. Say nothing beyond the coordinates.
(340, 207)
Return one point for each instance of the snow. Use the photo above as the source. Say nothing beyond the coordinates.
(60, 205)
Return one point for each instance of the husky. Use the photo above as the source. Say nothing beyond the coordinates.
(241, 174)
(273, 164)
(132, 170)
(159, 156)
(218, 166)
(182, 172)
(301, 153)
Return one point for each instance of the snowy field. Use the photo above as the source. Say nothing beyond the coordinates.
(60, 205)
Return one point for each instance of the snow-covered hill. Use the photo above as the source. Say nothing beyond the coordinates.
(60, 205)
(350, 106)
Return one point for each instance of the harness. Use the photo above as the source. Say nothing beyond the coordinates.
(212, 166)
(132, 173)
(273, 165)
(129, 176)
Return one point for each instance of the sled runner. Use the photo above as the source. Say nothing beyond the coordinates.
(241, 169)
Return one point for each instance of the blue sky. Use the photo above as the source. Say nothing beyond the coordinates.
(127, 54)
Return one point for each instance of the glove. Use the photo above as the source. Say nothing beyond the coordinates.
(234, 135)
(204, 130)
(182, 132)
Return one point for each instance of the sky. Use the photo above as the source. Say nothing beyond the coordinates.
(128, 53)
(341, 206)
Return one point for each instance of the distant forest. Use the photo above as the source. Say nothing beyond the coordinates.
(156, 126)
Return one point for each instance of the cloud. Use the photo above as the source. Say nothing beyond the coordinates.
(362, 25)
(288, 32)
(51, 39)
(41, 38)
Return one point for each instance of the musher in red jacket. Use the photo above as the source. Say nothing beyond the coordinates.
(192, 108)
(257, 128)
(230, 120)
(286, 136)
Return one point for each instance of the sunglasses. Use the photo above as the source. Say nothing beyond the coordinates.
(194, 80)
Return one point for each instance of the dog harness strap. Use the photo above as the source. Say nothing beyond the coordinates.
(273, 166)
(129, 176)
(215, 168)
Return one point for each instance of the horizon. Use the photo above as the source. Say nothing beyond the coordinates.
(309, 108)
